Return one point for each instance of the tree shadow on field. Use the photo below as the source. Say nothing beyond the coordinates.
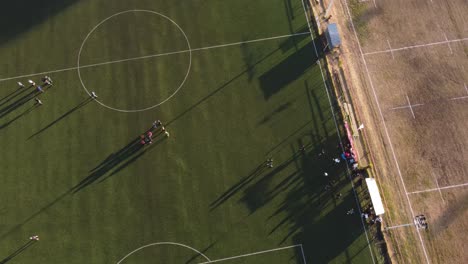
(250, 62)
(22, 15)
(292, 43)
(454, 212)
(275, 112)
(249, 68)
(305, 206)
(287, 71)
(308, 212)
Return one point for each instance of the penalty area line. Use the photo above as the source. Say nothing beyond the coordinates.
(154, 55)
(251, 254)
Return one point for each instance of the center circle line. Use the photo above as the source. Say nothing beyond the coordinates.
(142, 109)
(163, 243)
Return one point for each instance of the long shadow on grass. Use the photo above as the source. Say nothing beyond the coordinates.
(5, 110)
(22, 15)
(78, 106)
(287, 71)
(309, 213)
(238, 186)
(116, 162)
(5, 125)
(110, 166)
(226, 84)
(251, 62)
(18, 251)
(306, 207)
(195, 258)
(13, 95)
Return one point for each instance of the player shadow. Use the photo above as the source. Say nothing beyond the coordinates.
(95, 173)
(18, 103)
(78, 106)
(5, 125)
(117, 161)
(109, 163)
(18, 251)
(261, 168)
(287, 71)
(27, 14)
(12, 95)
(275, 112)
(195, 258)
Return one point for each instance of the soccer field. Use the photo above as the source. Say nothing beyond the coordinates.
(234, 83)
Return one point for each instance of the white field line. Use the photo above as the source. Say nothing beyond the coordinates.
(391, 50)
(416, 46)
(405, 106)
(398, 226)
(448, 43)
(441, 188)
(250, 254)
(438, 187)
(466, 89)
(303, 255)
(459, 98)
(338, 133)
(162, 243)
(410, 107)
(386, 132)
(152, 56)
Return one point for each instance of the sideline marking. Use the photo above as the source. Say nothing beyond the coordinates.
(163, 243)
(415, 46)
(153, 55)
(303, 255)
(441, 188)
(338, 133)
(249, 254)
(386, 131)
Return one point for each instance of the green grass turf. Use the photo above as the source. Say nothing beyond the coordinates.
(69, 175)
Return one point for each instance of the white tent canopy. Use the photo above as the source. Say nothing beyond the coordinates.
(375, 196)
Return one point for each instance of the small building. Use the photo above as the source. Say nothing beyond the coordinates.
(333, 37)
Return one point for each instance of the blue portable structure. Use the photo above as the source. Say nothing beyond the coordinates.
(333, 37)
